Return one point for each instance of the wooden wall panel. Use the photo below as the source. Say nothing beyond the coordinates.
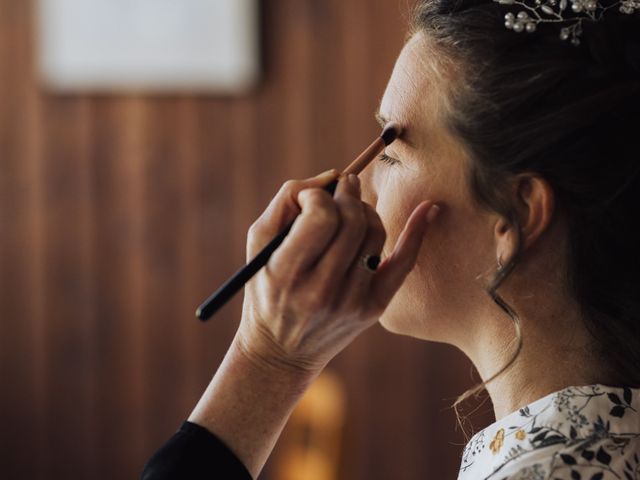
(118, 214)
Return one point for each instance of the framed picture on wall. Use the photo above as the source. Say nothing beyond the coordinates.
(148, 45)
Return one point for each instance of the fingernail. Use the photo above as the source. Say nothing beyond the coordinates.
(432, 213)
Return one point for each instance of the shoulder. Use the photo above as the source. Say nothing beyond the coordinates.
(589, 432)
(615, 457)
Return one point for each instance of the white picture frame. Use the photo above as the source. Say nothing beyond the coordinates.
(162, 46)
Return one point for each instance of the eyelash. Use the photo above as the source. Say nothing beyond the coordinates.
(383, 157)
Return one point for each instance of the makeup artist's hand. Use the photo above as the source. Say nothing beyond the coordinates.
(314, 296)
(306, 305)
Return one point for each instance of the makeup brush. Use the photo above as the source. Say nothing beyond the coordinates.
(212, 304)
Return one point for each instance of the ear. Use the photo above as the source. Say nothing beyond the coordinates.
(535, 205)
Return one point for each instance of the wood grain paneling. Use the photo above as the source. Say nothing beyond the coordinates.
(118, 214)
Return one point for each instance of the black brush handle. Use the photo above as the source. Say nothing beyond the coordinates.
(221, 296)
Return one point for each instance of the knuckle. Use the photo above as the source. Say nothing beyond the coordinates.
(317, 196)
(321, 207)
(291, 186)
(253, 236)
(281, 281)
(253, 230)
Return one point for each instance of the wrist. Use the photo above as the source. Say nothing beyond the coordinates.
(263, 354)
(249, 400)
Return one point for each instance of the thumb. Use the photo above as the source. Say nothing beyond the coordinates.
(394, 269)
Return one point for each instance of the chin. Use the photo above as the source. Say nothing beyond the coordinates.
(390, 324)
(401, 322)
(412, 320)
(404, 315)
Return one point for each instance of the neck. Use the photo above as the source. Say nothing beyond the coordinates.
(529, 379)
(557, 352)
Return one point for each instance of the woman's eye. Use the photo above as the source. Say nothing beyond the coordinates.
(383, 157)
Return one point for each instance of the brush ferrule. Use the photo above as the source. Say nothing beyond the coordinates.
(390, 133)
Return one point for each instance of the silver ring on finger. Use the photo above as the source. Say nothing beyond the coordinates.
(369, 262)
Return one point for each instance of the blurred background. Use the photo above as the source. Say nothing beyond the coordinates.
(121, 210)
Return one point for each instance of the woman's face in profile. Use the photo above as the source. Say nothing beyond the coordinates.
(437, 299)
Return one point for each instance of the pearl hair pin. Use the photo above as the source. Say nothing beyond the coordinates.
(556, 11)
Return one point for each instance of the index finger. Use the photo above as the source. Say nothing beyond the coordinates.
(282, 210)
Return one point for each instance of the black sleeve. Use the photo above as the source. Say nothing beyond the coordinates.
(194, 453)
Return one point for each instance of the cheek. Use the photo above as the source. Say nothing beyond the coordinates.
(394, 210)
(443, 288)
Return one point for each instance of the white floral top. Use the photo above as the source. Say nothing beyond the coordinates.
(579, 433)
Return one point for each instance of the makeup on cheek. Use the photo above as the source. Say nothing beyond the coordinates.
(221, 296)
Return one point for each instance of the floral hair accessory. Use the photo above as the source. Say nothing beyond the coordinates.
(559, 11)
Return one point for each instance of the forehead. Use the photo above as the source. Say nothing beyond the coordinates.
(413, 94)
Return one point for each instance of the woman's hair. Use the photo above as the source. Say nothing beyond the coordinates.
(531, 102)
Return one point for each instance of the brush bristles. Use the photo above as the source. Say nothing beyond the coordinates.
(390, 133)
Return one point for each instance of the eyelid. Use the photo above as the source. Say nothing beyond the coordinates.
(383, 157)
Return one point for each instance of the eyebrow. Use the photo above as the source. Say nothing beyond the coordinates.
(383, 123)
